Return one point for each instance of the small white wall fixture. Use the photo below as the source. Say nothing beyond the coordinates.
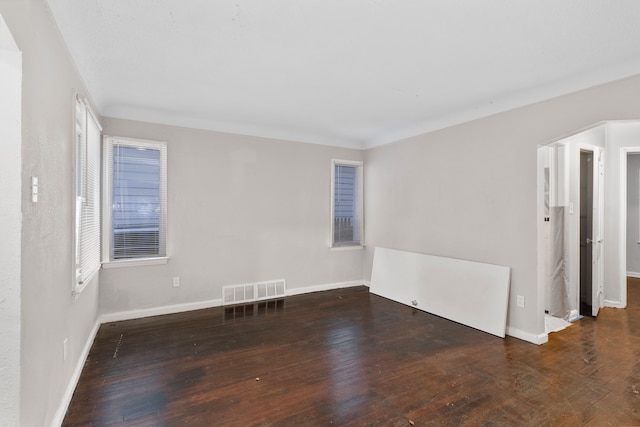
(471, 293)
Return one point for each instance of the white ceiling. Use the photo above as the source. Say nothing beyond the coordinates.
(355, 73)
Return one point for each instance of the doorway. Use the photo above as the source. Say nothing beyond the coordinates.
(632, 235)
(571, 206)
(586, 233)
(591, 196)
(629, 196)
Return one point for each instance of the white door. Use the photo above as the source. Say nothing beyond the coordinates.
(598, 229)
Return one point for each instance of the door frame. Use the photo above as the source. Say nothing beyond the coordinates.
(622, 215)
(597, 282)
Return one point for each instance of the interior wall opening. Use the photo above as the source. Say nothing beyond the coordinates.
(571, 210)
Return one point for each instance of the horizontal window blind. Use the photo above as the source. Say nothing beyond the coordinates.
(347, 204)
(345, 191)
(137, 181)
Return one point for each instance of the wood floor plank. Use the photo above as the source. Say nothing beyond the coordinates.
(346, 357)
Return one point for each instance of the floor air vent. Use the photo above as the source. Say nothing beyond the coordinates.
(237, 294)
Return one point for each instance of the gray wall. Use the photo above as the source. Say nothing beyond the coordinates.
(49, 312)
(469, 191)
(240, 209)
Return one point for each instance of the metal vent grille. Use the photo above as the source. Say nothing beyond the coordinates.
(236, 294)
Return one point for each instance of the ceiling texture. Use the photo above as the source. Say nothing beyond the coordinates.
(352, 73)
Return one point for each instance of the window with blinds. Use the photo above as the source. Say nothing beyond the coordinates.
(346, 203)
(87, 213)
(136, 173)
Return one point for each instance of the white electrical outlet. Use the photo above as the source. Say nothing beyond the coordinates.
(176, 282)
(520, 300)
(65, 348)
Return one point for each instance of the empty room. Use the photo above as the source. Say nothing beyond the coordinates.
(274, 213)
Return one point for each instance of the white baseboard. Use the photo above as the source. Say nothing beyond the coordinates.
(58, 418)
(613, 304)
(633, 274)
(325, 287)
(178, 308)
(158, 311)
(527, 336)
(574, 315)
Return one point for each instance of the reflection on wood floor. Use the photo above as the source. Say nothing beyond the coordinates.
(346, 357)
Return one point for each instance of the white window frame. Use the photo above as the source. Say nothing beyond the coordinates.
(86, 244)
(359, 244)
(107, 223)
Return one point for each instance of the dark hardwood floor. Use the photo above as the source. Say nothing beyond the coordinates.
(347, 357)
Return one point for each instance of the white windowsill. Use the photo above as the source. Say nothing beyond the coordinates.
(78, 288)
(138, 262)
(346, 248)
